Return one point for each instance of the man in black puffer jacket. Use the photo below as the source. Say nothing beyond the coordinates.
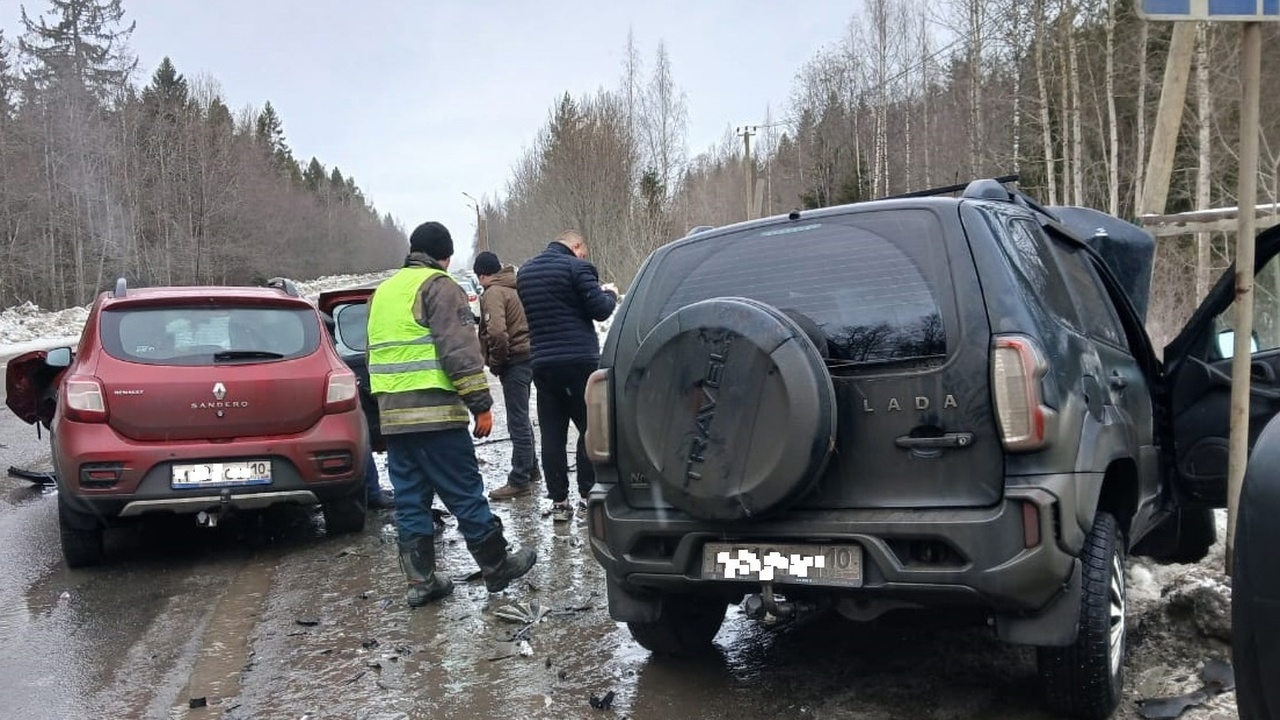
(562, 296)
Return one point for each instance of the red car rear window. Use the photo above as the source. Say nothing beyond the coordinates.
(209, 335)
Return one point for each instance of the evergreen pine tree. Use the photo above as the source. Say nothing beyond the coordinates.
(82, 42)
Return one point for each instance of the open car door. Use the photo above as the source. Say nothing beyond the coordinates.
(1198, 377)
(31, 384)
(349, 309)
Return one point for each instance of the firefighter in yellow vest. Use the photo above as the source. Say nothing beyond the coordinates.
(426, 371)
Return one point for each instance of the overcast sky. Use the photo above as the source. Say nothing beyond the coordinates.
(423, 100)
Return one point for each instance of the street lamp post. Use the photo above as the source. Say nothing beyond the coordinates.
(482, 233)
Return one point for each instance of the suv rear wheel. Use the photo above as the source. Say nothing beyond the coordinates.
(1084, 680)
(685, 626)
(81, 535)
(345, 515)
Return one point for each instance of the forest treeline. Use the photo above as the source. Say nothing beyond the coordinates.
(161, 183)
(1063, 93)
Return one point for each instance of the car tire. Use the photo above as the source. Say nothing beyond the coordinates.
(82, 537)
(345, 515)
(1085, 680)
(1255, 585)
(685, 626)
(710, 383)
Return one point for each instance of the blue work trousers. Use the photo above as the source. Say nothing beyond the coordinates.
(441, 462)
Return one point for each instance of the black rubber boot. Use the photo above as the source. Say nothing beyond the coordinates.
(418, 561)
(499, 566)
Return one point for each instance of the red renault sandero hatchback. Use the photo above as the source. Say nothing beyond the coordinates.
(195, 400)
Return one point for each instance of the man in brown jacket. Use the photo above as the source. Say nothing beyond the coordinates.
(504, 337)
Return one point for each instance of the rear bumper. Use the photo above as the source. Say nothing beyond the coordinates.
(146, 468)
(989, 563)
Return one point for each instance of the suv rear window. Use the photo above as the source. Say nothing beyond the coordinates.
(209, 335)
(859, 278)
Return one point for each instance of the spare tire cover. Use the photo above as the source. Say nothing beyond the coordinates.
(734, 410)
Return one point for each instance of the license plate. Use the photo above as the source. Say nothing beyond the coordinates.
(795, 564)
(241, 472)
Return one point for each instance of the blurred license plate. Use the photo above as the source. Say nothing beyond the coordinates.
(242, 472)
(795, 564)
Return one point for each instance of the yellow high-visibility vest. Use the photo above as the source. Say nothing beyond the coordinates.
(402, 354)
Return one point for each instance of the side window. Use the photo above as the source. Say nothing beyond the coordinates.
(1097, 313)
(352, 321)
(1266, 316)
(1027, 249)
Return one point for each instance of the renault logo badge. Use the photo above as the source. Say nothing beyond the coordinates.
(219, 391)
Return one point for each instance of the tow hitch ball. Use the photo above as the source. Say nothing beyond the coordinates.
(767, 606)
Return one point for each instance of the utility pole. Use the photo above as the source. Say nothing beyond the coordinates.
(745, 132)
(482, 232)
(1164, 138)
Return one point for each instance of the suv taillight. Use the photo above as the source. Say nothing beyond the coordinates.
(1017, 368)
(84, 399)
(340, 394)
(599, 446)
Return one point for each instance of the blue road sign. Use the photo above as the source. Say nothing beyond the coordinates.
(1211, 10)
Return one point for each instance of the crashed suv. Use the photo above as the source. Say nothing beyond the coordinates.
(197, 401)
(911, 403)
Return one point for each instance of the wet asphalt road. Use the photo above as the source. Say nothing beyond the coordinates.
(265, 617)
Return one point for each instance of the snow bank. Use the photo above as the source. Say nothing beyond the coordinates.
(27, 327)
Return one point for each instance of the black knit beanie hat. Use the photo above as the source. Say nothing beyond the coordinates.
(433, 239)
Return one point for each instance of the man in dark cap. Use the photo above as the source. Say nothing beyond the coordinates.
(504, 338)
(562, 296)
(426, 371)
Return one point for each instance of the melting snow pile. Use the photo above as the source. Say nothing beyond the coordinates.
(1179, 618)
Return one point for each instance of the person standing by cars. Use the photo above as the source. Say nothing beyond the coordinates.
(504, 338)
(562, 296)
(426, 372)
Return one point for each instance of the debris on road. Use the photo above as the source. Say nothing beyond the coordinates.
(523, 613)
(307, 622)
(35, 477)
(197, 702)
(602, 703)
(1218, 677)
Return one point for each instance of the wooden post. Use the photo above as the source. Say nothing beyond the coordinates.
(1246, 199)
(1164, 137)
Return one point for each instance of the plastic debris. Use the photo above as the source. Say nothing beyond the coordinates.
(197, 702)
(1218, 677)
(604, 702)
(307, 622)
(523, 613)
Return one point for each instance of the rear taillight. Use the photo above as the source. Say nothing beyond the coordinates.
(599, 410)
(1017, 368)
(340, 394)
(84, 400)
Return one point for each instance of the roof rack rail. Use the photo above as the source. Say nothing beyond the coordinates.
(948, 189)
(699, 228)
(284, 285)
(122, 288)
